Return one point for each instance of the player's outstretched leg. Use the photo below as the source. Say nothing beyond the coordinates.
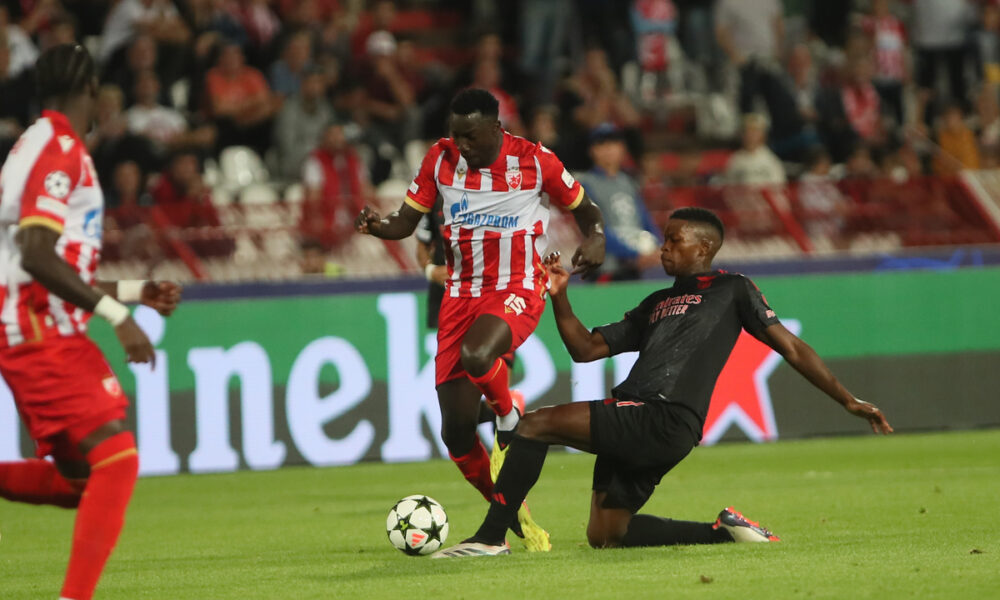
(114, 466)
(483, 347)
(731, 526)
(37, 481)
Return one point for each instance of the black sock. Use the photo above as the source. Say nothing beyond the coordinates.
(520, 471)
(647, 530)
(486, 414)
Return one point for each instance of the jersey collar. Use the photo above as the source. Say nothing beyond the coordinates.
(59, 121)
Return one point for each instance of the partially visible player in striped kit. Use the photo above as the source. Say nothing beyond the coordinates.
(493, 187)
(51, 208)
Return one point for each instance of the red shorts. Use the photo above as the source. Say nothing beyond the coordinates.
(520, 308)
(62, 385)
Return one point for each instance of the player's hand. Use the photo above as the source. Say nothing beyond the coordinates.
(558, 276)
(867, 410)
(439, 275)
(368, 221)
(161, 296)
(590, 255)
(135, 343)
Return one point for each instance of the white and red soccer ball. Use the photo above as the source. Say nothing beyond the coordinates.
(417, 525)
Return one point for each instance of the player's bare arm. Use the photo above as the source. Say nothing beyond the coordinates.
(582, 344)
(161, 296)
(39, 259)
(590, 254)
(396, 226)
(805, 360)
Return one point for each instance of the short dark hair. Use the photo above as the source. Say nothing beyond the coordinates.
(475, 100)
(64, 70)
(700, 215)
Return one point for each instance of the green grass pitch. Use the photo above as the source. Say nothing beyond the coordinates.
(905, 516)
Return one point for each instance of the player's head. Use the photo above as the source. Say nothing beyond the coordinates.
(474, 126)
(690, 241)
(66, 73)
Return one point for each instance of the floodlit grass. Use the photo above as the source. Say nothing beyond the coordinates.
(907, 516)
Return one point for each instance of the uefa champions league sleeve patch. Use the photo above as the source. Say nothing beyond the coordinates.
(57, 184)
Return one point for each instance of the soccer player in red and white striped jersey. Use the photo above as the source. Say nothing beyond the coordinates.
(51, 208)
(496, 189)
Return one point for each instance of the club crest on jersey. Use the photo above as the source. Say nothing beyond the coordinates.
(514, 304)
(111, 385)
(514, 179)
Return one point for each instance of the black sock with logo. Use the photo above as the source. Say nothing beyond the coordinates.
(521, 468)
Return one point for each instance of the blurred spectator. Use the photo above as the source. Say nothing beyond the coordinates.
(110, 142)
(850, 112)
(593, 97)
(389, 104)
(16, 92)
(988, 125)
(803, 81)
(542, 39)
(240, 102)
(489, 46)
(262, 27)
(185, 202)
(336, 189)
(609, 25)
(487, 76)
(544, 128)
(939, 37)
(141, 55)
(754, 164)
(61, 29)
(286, 72)
(751, 33)
(988, 43)
(383, 17)
(632, 237)
(655, 25)
(34, 17)
(696, 34)
(312, 259)
(957, 143)
(129, 18)
(888, 38)
(22, 51)
(860, 165)
(127, 220)
(822, 206)
(165, 127)
(301, 122)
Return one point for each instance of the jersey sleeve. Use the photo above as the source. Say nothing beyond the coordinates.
(45, 200)
(423, 190)
(755, 314)
(563, 189)
(625, 335)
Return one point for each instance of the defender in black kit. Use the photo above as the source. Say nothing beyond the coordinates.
(684, 335)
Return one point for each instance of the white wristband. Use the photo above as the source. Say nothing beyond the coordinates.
(429, 271)
(130, 290)
(111, 310)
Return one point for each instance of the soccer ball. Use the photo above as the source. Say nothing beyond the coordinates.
(417, 525)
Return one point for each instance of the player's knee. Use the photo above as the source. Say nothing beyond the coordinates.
(476, 360)
(533, 425)
(458, 436)
(600, 537)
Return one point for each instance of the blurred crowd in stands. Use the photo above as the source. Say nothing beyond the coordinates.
(209, 108)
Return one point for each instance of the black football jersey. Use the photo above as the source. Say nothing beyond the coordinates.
(684, 335)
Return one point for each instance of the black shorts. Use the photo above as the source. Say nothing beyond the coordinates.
(636, 443)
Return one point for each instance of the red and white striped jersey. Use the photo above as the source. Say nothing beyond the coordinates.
(495, 218)
(47, 180)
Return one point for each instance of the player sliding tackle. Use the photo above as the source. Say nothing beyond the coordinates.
(491, 184)
(67, 396)
(684, 335)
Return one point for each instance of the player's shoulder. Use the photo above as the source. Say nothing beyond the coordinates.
(519, 146)
(734, 279)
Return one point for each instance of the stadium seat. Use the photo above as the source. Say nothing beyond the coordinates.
(240, 166)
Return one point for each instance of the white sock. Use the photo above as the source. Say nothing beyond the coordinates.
(509, 421)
